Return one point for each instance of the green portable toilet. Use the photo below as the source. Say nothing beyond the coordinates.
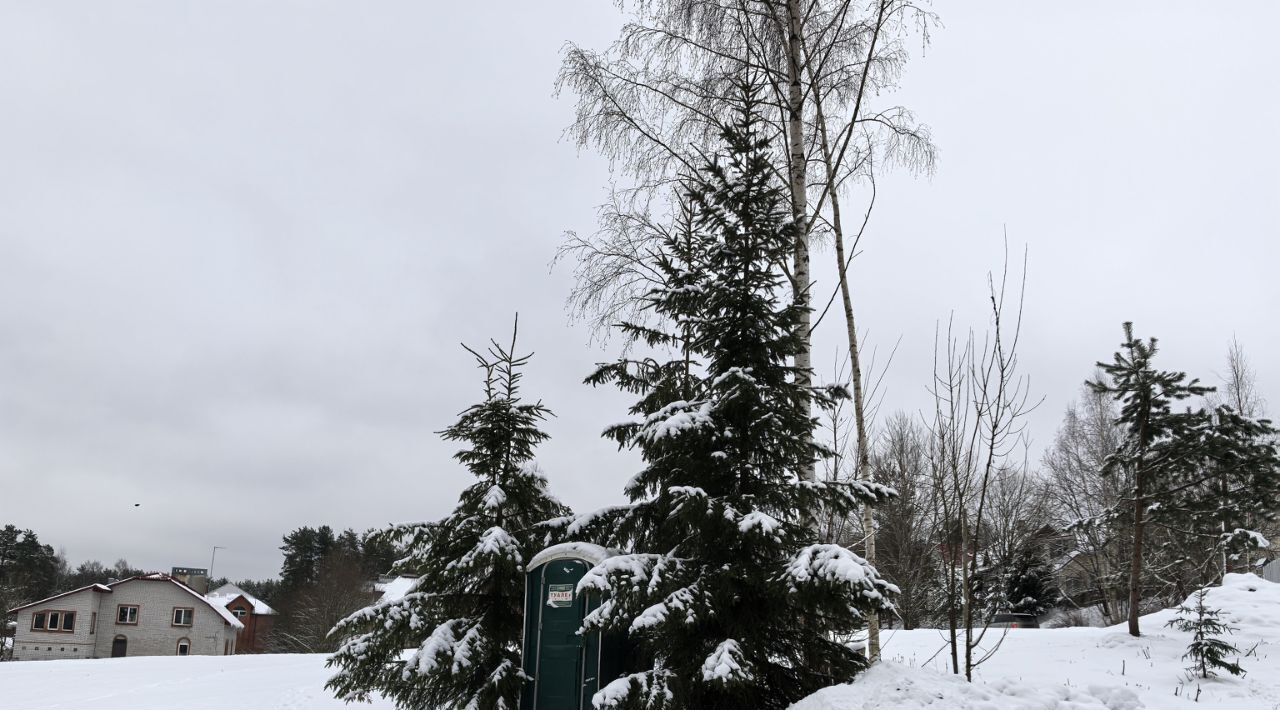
(565, 667)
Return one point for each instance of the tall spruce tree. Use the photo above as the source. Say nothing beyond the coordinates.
(729, 602)
(1198, 475)
(463, 619)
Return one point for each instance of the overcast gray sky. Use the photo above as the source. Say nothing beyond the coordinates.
(240, 241)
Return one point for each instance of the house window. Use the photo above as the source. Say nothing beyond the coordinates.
(54, 621)
(240, 613)
(93, 622)
(184, 647)
(127, 614)
(182, 616)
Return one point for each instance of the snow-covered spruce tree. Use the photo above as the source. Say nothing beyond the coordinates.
(1029, 587)
(1197, 476)
(1206, 651)
(729, 602)
(464, 618)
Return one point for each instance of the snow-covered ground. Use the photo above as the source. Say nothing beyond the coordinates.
(1034, 669)
(1079, 668)
(267, 682)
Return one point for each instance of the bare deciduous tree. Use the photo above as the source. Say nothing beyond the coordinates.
(976, 434)
(311, 611)
(1239, 391)
(1239, 388)
(1079, 492)
(905, 526)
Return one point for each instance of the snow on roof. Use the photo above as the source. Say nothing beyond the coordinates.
(222, 611)
(94, 587)
(227, 593)
(594, 554)
(395, 589)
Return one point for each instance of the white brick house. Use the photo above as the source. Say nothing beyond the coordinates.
(150, 615)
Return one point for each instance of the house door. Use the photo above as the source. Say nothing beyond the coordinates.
(119, 646)
(559, 685)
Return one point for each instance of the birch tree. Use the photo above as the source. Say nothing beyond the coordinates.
(661, 93)
(1240, 384)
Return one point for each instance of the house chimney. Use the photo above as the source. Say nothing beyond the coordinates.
(195, 577)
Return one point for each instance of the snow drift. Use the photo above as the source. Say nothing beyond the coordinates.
(1079, 668)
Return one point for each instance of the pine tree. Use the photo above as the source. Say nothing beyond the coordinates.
(464, 618)
(1206, 651)
(728, 602)
(1199, 476)
(303, 550)
(29, 569)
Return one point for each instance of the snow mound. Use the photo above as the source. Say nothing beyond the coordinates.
(893, 686)
(1079, 668)
(1247, 601)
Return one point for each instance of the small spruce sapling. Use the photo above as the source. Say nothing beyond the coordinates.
(1206, 651)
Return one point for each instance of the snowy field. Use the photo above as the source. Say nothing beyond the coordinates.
(271, 682)
(1034, 669)
(1080, 668)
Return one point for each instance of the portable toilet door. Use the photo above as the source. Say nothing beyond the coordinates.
(564, 665)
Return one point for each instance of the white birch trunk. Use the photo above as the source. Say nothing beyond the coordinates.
(799, 197)
(851, 328)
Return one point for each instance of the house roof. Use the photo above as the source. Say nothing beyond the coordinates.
(227, 616)
(228, 593)
(101, 588)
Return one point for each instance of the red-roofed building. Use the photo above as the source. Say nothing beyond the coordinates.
(257, 617)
